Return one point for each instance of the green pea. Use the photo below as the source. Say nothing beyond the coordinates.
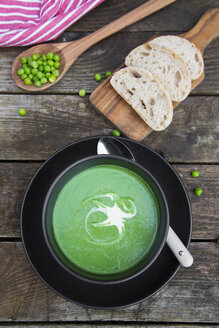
(35, 56)
(30, 76)
(27, 81)
(48, 75)
(56, 58)
(198, 191)
(27, 70)
(82, 92)
(56, 64)
(22, 112)
(55, 73)
(20, 71)
(116, 133)
(29, 59)
(34, 64)
(52, 69)
(24, 76)
(44, 80)
(47, 68)
(52, 78)
(44, 57)
(108, 73)
(37, 83)
(24, 66)
(39, 75)
(35, 78)
(41, 68)
(50, 62)
(34, 71)
(39, 62)
(98, 77)
(23, 60)
(195, 174)
(45, 63)
(50, 55)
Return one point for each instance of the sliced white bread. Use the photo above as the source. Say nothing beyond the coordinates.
(169, 68)
(146, 94)
(185, 49)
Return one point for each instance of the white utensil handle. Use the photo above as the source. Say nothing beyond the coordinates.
(179, 250)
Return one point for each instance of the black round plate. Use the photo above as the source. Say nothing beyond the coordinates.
(87, 293)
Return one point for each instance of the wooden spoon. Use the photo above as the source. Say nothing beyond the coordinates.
(70, 51)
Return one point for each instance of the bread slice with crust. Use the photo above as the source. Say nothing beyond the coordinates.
(146, 94)
(169, 68)
(186, 50)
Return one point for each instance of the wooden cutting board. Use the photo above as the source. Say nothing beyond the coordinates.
(106, 100)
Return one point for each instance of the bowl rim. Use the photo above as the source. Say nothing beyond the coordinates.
(134, 274)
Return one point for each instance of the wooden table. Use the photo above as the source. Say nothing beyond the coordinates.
(58, 117)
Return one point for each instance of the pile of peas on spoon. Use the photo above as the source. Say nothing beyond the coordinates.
(39, 69)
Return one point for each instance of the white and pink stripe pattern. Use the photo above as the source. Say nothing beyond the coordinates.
(25, 22)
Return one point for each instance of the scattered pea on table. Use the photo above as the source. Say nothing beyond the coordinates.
(98, 77)
(22, 112)
(198, 191)
(82, 92)
(108, 73)
(116, 133)
(195, 174)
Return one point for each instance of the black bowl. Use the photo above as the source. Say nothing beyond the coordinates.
(85, 292)
(50, 201)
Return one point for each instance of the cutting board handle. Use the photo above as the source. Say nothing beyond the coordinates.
(206, 30)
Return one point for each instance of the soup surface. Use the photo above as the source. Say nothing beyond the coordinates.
(105, 219)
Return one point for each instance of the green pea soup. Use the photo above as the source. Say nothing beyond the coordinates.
(105, 219)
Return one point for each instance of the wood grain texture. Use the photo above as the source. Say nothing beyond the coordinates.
(205, 31)
(105, 325)
(55, 121)
(24, 297)
(109, 103)
(179, 16)
(14, 178)
(104, 56)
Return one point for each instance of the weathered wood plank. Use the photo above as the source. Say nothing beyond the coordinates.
(54, 121)
(190, 297)
(190, 133)
(105, 325)
(181, 15)
(51, 122)
(14, 178)
(106, 55)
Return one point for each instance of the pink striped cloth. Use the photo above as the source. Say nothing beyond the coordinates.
(25, 22)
